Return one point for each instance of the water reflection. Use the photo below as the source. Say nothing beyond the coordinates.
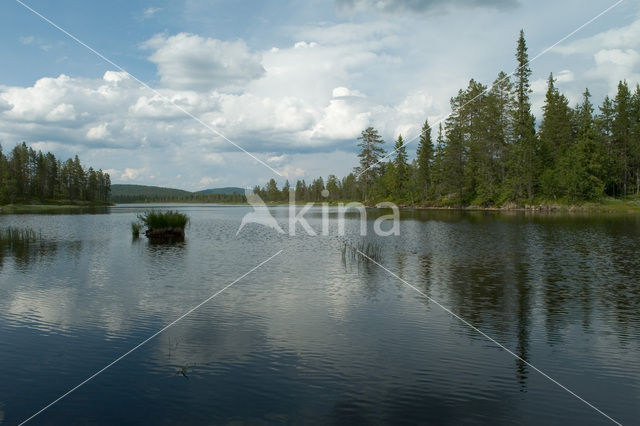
(319, 337)
(24, 246)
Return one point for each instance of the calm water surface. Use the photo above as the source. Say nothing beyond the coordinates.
(317, 337)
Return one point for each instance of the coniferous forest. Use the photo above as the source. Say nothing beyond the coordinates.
(27, 176)
(491, 153)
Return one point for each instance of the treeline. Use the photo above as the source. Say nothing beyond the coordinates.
(489, 151)
(27, 176)
(189, 198)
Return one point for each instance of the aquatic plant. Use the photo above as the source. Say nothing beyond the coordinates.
(167, 226)
(13, 236)
(136, 227)
(363, 250)
(163, 220)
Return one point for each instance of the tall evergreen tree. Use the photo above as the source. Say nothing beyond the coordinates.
(454, 153)
(523, 164)
(500, 107)
(424, 161)
(585, 159)
(635, 136)
(556, 139)
(438, 175)
(371, 152)
(621, 138)
(285, 191)
(604, 124)
(402, 174)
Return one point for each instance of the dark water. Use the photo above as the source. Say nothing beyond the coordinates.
(317, 337)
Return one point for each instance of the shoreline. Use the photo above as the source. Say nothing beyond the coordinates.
(607, 206)
(37, 208)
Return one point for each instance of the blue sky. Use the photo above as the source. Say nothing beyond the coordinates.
(292, 82)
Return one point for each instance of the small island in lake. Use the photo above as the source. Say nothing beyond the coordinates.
(165, 226)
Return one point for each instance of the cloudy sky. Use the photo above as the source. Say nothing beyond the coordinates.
(291, 82)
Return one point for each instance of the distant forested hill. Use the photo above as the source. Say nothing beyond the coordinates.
(227, 191)
(124, 193)
(123, 190)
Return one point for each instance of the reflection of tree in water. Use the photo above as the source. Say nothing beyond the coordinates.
(579, 271)
(488, 282)
(591, 272)
(24, 246)
(620, 293)
(524, 317)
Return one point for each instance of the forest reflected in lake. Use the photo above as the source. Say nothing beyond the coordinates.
(313, 336)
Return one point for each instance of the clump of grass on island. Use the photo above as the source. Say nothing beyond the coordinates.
(169, 219)
(167, 224)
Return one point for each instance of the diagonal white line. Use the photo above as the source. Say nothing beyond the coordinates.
(148, 339)
(491, 339)
(164, 98)
(499, 81)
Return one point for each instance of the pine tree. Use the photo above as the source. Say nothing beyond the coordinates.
(371, 152)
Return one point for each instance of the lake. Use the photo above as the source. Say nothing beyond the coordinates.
(314, 336)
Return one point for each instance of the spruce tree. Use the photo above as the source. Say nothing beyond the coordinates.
(556, 139)
(401, 172)
(424, 161)
(621, 133)
(454, 153)
(500, 107)
(524, 155)
(588, 161)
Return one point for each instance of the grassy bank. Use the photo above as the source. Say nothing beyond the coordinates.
(45, 208)
(606, 205)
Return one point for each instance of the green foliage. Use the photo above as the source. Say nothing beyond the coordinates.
(136, 227)
(424, 162)
(28, 176)
(12, 236)
(162, 220)
(371, 167)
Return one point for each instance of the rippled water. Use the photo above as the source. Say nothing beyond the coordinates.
(317, 337)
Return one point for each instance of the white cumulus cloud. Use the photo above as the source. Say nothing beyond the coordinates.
(189, 61)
